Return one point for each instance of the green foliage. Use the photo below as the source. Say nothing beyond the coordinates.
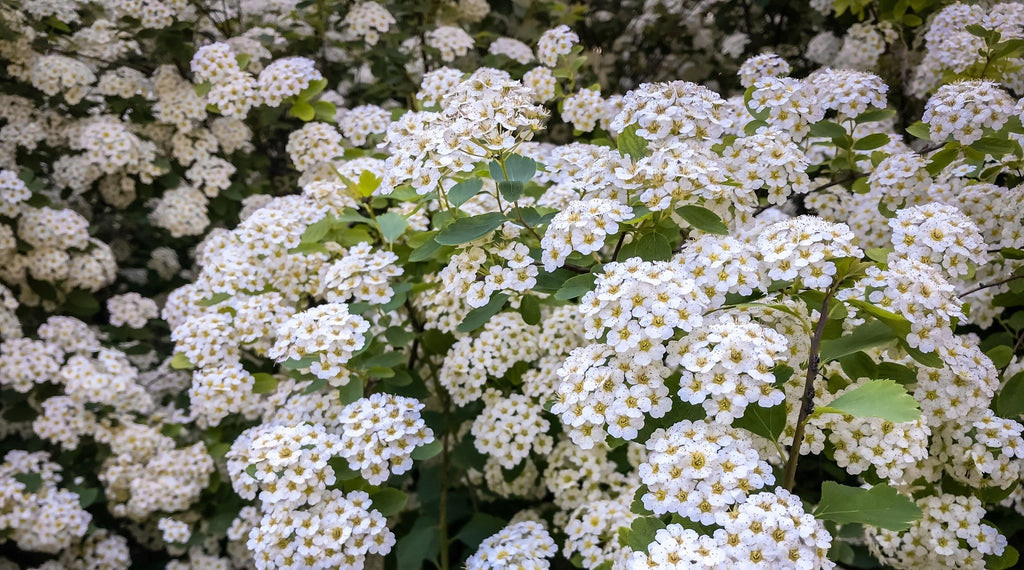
(879, 506)
(703, 219)
(463, 230)
(464, 190)
(876, 399)
(630, 144)
(479, 316)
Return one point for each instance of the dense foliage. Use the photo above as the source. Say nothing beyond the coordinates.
(521, 284)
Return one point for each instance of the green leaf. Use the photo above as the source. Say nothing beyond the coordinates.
(316, 231)
(419, 544)
(477, 317)
(1010, 402)
(424, 452)
(463, 191)
(912, 20)
(529, 308)
(1000, 355)
(392, 225)
(351, 215)
(642, 532)
(1008, 559)
(533, 217)
(87, 496)
(875, 115)
(351, 391)
(879, 254)
(31, 481)
(181, 362)
(637, 506)
(479, 527)
(630, 144)
(427, 250)
(511, 190)
(1011, 253)
(520, 168)
(876, 399)
(897, 323)
(219, 449)
(367, 184)
(765, 422)
(995, 147)
(752, 127)
(312, 89)
(929, 359)
(388, 501)
(303, 111)
(649, 247)
(399, 336)
(314, 386)
(703, 219)
(576, 287)
(859, 365)
(82, 303)
(494, 167)
(879, 506)
(263, 383)
(214, 299)
(463, 230)
(1010, 49)
(897, 372)
(919, 130)
(866, 336)
(977, 30)
(871, 142)
(942, 159)
(297, 363)
(828, 129)
(325, 110)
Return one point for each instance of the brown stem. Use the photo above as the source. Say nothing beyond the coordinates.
(570, 266)
(807, 399)
(618, 246)
(992, 284)
(824, 186)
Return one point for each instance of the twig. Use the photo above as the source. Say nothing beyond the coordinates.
(829, 184)
(807, 399)
(570, 266)
(992, 284)
(618, 246)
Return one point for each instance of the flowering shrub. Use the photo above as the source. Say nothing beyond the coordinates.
(629, 285)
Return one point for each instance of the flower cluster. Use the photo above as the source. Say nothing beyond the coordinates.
(700, 469)
(604, 295)
(582, 226)
(962, 111)
(367, 21)
(131, 309)
(523, 545)
(362, 274)
(554, 43)
(38, 515)
(327, 335)
(938, 234)
(589, 526)
(949, 534)
(726, 365)
(379, 434)
(509, 428)
(504, 340)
